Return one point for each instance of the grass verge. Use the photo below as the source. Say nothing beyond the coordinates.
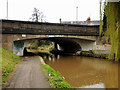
(9, 60)
(54, 78)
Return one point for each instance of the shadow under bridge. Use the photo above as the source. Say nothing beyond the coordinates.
(65, 45)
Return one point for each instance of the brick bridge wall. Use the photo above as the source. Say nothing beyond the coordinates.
(38, 28)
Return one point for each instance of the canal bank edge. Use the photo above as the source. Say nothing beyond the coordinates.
(54, 78)
(41, 60)
(92, 54)
(98, 51)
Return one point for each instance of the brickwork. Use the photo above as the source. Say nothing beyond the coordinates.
(37, 28)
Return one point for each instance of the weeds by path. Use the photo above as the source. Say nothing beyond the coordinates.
(9, 60)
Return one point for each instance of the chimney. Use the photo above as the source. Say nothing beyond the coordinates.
(88, 20)
(60, 20)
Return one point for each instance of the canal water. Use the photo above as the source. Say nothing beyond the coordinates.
(88, 72)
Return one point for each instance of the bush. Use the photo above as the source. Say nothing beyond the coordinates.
(32, 47)
(44, 45)
(51, 48)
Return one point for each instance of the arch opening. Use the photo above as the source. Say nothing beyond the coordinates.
(66, 45)
(26, 53)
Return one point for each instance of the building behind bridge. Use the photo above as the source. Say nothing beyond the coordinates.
(87, 22)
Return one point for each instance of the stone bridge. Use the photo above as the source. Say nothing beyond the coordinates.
(16, 35)
(38, 28)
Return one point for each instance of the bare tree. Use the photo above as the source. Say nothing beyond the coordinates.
(37, 16)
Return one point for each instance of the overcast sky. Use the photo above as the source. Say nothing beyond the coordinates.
(52, 9)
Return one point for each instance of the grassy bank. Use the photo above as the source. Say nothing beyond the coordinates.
(54, 78)
(9, 60)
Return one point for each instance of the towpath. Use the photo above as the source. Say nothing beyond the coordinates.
(29, 74)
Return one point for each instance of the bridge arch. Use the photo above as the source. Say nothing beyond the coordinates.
(67, 45)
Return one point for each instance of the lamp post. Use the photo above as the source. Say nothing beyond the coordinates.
(76, 13)
(7, 9)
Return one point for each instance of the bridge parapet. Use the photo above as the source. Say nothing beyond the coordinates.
(38, 28)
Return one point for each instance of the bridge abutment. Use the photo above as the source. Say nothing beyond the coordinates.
(86, 45)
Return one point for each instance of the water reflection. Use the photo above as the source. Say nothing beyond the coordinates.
(51, 57)
(100, 85)
(58, 56)
(85, 71)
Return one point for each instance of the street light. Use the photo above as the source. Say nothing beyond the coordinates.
(77, 13)
(7, 9)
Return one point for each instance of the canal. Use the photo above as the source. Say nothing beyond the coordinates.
(88, 72)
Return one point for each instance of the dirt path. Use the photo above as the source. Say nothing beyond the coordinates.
(29, 74)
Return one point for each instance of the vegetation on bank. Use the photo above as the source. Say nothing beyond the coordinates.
(42, 49)
(38, 44)
(9, 60)
(112, 14)
(54, 78)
